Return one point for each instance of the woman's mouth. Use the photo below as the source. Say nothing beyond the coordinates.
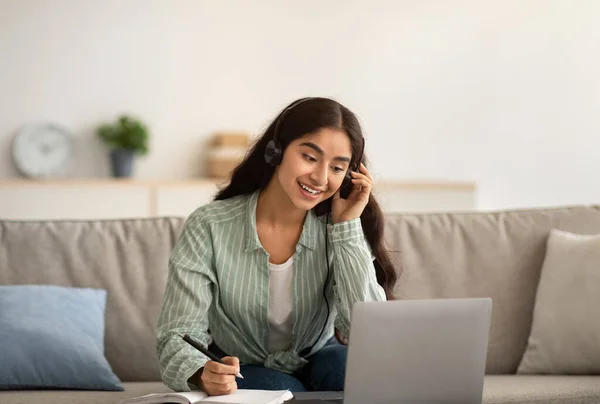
(308, 191)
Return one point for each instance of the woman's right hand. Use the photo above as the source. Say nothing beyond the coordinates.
(217, 379)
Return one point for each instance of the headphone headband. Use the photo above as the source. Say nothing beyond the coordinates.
(283, 114)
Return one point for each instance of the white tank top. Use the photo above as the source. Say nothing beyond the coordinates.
(280, 306)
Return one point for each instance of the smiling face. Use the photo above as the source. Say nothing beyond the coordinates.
(313, 166)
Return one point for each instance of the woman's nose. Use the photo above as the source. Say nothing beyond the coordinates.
(319, 176)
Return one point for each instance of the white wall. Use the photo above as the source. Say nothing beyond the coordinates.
(505, 93)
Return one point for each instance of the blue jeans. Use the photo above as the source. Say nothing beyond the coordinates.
(325, 371)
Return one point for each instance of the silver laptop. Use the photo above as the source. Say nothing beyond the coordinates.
(417, 351)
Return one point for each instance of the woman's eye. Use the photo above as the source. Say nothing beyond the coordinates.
(309, 158)
(338, 169)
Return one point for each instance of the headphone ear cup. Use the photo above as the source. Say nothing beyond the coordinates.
(346, 187)
(272, 154)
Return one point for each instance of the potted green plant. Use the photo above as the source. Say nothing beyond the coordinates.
(126, 137)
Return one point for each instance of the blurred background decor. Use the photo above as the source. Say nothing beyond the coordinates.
(42, 150)
(126, 137)
(227, 149)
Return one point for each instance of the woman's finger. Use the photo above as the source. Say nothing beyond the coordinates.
(232, 361)
(363, 169)
(215, 389)
(216, 367)
(359, 175)
(217, 378)
(226, 388)
(362, 183)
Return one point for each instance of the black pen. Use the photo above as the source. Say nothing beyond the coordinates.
(205, 351)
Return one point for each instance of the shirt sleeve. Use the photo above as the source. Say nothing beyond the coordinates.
(187, 298)
(353, 270)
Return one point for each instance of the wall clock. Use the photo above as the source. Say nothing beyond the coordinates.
(42, 150)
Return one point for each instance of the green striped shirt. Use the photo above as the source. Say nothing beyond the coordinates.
(218, 288)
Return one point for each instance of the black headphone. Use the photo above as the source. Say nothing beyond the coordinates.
(273, 156)
(273, 152)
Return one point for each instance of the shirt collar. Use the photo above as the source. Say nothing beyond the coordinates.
(308, 238)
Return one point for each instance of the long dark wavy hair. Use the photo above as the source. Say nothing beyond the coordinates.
(308, 116)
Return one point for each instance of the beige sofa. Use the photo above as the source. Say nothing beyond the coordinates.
(497, 254)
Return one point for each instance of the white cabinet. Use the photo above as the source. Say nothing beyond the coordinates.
(182, 199)
(77, 200)
(108, 199)
(425, 197)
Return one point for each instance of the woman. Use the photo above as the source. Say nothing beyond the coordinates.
(266, 271)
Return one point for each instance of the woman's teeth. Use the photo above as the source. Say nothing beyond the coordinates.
(309, 190)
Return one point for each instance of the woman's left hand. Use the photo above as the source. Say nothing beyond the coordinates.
(351, 208)
(340, 337)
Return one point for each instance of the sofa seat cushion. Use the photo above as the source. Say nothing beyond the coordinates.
(132, 389)
(498, 389)
(521, 389)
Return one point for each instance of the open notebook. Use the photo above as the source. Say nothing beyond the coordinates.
(239, 397)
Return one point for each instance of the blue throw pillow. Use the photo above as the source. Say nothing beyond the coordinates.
(52, 337)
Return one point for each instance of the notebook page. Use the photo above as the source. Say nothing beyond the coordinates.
(160, 398)
(252, 397)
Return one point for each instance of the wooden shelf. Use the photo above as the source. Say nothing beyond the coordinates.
(78, 182)
(99, 198)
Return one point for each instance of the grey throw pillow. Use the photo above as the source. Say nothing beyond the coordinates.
(565, 333)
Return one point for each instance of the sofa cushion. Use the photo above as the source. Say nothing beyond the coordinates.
(538, 389)
(497, 389)
(132, 389)
(127, 258)
(53, 337)
(565, 335)
(485, 254)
